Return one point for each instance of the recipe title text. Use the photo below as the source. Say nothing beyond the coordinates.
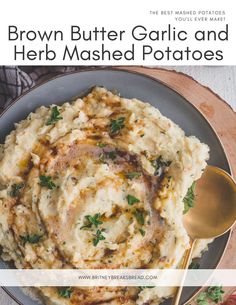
(100, 44)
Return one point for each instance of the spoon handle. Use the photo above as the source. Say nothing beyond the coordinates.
(186, 261)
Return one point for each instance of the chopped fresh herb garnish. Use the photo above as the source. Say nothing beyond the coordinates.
(47, 182)
(144, 287)
(202, 299)
(215, 293)
(31, 239)
(194, 265)
(189, 198)
(55, 116)
(142, 135)
(65, 292)
(111, 154)
(117, 125)
(139, 216)
(15, 189)
(92, 220)
(101, 145)
(159, 165)
(131, 199)
(142, 232)
(98, 237)
(132, 175)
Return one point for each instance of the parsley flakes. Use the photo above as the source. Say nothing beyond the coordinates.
(202, 299)
(139, 217)
(142, 232)
(101, 145)
(111, 154)
(92, 220)
(31, 239)
(15, 189)
(117, 125)
(55, 116)
(159, 165)
(144, 287)
(213, 293)
(98, 237)
(65, 292)
(131, 199)
(47, 182)
(107, 155)
(189, 198)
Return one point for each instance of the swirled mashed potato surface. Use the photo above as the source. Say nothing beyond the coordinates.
(97, 183)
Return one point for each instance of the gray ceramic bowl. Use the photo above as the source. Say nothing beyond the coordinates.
(170, 103)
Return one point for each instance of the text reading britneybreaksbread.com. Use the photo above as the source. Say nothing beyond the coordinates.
(117, 277)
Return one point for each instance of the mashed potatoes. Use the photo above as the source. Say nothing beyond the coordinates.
(97, 183)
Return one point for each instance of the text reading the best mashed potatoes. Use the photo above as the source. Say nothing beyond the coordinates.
(102, 44)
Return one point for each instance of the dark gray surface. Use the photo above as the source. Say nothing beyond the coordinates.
(129, 85)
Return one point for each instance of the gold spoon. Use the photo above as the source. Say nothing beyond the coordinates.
(213, 214)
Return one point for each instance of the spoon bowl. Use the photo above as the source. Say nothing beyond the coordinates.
(213, 214)
(214, 211)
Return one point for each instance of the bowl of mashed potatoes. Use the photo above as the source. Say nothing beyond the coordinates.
(98, 182)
